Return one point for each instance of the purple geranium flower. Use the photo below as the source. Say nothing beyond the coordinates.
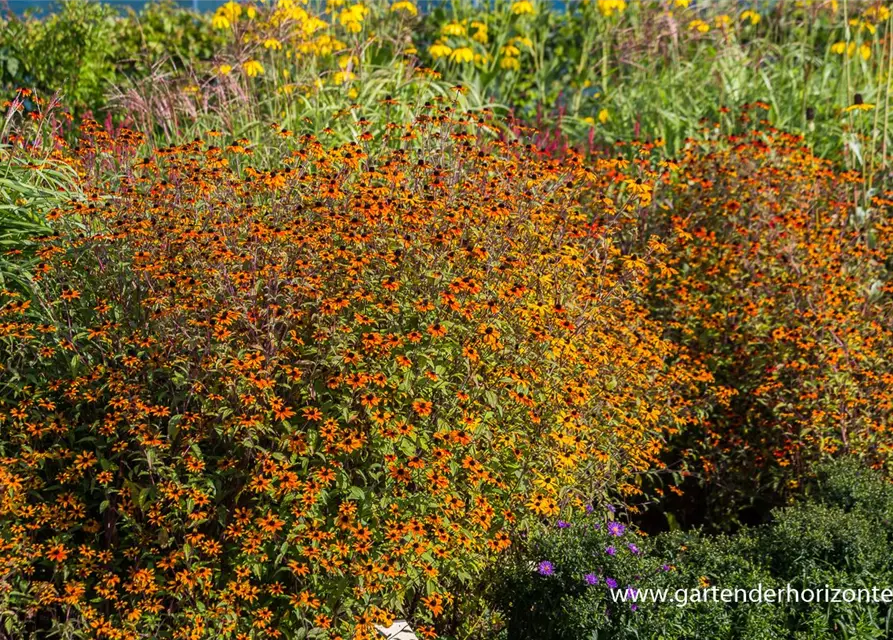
(611, 551)
(611, 582)
(545, 568)
(615, 528)
(563, 525)
(591, 579)
(633, 548)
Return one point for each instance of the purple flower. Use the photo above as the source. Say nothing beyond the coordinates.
(615, 528)
(665, 567)
(589, 508)
(611, 551)
(633, 607)
(612, 509)
(633, 548)
(591, 579)
(563, 525)
(611, 582)
(545, 568)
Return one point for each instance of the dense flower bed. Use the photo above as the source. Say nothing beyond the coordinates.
(308, 399)
(780, 286)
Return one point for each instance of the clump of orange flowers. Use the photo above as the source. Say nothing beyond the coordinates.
(248, 402)
(780, 287)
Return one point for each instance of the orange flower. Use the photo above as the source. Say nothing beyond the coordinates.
(57, 553)
(434, 603)
(437, 330)
(422, 407)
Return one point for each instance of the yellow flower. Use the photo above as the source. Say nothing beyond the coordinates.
(453, 29)
(510, 64)
(511, 50)
(224, 69)
(699, 25)
(253, 68)
(523, 7)
(603, 116)
(251, 12)
(462, 55)
(523, 41)
(348, 61)
(226, 15)
(610, 7)
(877, 14)
(589, 120)
(842, 48)
(722, 21)
(480, 34)
(681, 4)
(353, 93)
(865, 51)
(862, 24)
(753, 16)
(352, 17)
(312, 25)
(481, 59)
(405, 7)
(439, 50)
(272, 43)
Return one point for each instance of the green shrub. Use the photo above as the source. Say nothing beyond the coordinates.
(811, 539)
(71, 51)
(559, 586)
(814, 544)
(852, 487)
(162, 32)
(86, 48)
